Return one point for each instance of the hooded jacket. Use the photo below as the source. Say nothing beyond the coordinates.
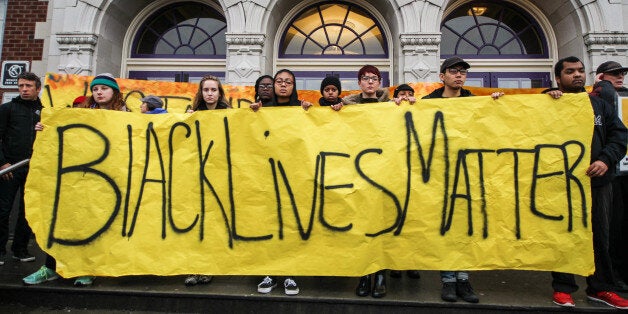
(294, 99)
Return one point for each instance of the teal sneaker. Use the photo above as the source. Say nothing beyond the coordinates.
(84, 281)
(42, 275)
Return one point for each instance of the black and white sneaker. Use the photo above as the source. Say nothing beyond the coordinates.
(193, 280)
(291, 287)
(23, 256)
(3, 256)
(267, 285)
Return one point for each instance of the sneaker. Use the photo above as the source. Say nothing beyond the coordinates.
(449, 292)
(193, 280)
(290, 287)
(204, 279)
(23, 256)
(465, 291)
(42, 275)
(563, 299)
(3, 257)
(84, 281)
(610, 299)
(267, 285)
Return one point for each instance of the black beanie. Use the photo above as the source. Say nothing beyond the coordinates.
(331, 80)
(402, 87)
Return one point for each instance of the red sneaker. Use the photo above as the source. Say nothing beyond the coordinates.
(563, 299)
(610, 299)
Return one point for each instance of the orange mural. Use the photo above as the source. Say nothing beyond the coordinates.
(61, 89)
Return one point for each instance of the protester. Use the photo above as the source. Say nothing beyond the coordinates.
(105, 95)
(369, 80)
(285, 95)
(607, 148)
(152, 105)
(17, 135)
(404, 92)
(331, 89)
(453, 74)
(78, 100)
(609, 86)
(264, 91)
(210, 95)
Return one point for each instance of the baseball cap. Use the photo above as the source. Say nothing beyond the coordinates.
(153, 100)
(450, 62)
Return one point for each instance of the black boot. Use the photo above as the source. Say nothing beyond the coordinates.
(379, 289)
(395, 274)
(413, 274)
(364, 287)
(465, 291)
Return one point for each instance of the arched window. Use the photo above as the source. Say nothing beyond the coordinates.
(333, 38)
(336, 29)
(500, 31)
(488, 29)
(181, 42)
(185, 29)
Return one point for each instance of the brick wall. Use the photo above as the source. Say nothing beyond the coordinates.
(19, 32)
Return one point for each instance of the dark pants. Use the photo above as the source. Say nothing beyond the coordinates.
(8, 192)
(602, 278)
(619, 228)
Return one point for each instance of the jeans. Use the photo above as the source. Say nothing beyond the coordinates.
(453, 276)
(602, 278)
(8, 192)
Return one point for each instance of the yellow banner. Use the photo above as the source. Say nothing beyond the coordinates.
(61, 89)
(467, 183)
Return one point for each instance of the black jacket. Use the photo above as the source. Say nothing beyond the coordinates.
(17, 129)
(438, 93)
(609, 138)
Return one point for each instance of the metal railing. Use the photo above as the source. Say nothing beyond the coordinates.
(14, 166)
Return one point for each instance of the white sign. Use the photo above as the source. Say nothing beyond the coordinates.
(10, 71)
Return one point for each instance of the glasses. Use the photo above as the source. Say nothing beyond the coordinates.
(287, 82)
(266, 86)
(456, 71)
(617, 73)
(366, 78)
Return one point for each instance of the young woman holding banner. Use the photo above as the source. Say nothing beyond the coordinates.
(209, 96)
(105, 95)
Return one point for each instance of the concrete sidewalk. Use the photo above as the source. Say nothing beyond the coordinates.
(499, 291)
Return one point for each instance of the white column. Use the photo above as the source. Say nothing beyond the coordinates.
(244, 58)
(76, 52)
(421, 58)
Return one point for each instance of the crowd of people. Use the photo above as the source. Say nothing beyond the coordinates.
(20, 121)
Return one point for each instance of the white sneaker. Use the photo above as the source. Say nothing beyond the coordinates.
(290, 287)
(267, 285)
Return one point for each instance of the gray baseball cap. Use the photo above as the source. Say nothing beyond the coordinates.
(153, 100)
